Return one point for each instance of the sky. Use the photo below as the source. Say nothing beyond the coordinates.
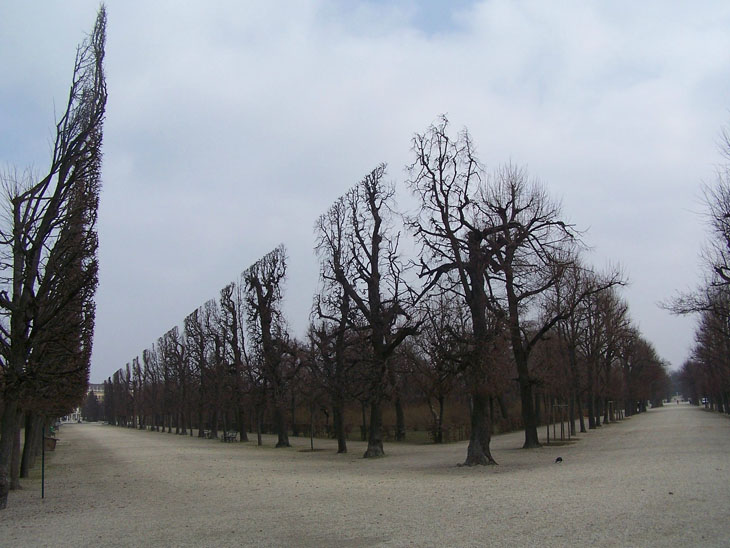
(232, 125)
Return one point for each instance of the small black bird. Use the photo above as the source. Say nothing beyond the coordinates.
(559, 459)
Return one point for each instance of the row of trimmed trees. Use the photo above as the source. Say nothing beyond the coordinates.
(496, 306)
(48, 271)
(232, 357)
(705, 376)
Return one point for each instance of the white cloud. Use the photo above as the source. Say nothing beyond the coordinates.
(232, 126)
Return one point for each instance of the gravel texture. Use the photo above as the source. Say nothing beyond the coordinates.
(658, 479)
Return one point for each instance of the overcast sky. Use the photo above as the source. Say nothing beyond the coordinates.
(232, 125)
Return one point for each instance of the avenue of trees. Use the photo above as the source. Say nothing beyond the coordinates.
(491, 317)
(48, 271)
(705, 376)
(495, 312)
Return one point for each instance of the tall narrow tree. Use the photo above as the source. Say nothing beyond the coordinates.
(359, 251)
(446, 178)
(38, 216)
(264, 280)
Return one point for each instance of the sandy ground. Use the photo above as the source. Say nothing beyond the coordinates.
(658, 479)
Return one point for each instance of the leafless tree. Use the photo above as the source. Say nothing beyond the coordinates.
(529, 252)
(505, 244)
(333, 315)
(173, 353)
(438, 354)
(264, 280)
(716, 250)
(57, 211)
(717, 202)
(198, 344)
(453, 231)
(570, 331)
(153, 376)
(233, 304)
(573, 301)
(333, 360)
(706, 372)
(358, 249)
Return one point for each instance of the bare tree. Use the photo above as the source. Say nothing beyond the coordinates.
(716, 250)
(570, 332)
(38, 220)
(605, 320)
(264, 280)
(528, 252)
(333, 360)
(452, 229)
(198, 344)
(155, 388)
(359, 251)
(438, 354)
(706, 372)
(717, 202)
(333, 314)
(173, 353)
(232, 303)
(572, 301)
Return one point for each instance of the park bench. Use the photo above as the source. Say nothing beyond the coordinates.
(230, 436)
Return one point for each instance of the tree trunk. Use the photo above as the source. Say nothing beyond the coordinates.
(571, 413)
(241, 421)
(26, 460)
(7, 428)
(440, 422)
(281, 429)
(311, 426)
(591, 410)
(259, 419)
(201, 423)
(214, 425)
(529, 416)
(375, 438)
(15, 459)
(294, 429)
(364, 425)
(400, 421)
(478, 450)
(339, 424)
(32, 443)
(591, 401)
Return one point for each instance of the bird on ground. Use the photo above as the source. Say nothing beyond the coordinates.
(559, 459)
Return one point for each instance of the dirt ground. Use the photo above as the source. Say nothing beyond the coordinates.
(657, 479)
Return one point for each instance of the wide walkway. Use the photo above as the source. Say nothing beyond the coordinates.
(658, 479)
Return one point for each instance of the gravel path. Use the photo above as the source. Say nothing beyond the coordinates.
(657, 479)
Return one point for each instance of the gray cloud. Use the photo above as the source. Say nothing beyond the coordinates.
(231, 127)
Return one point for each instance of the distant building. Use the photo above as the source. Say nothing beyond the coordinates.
(75, 416)
(98, 390)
